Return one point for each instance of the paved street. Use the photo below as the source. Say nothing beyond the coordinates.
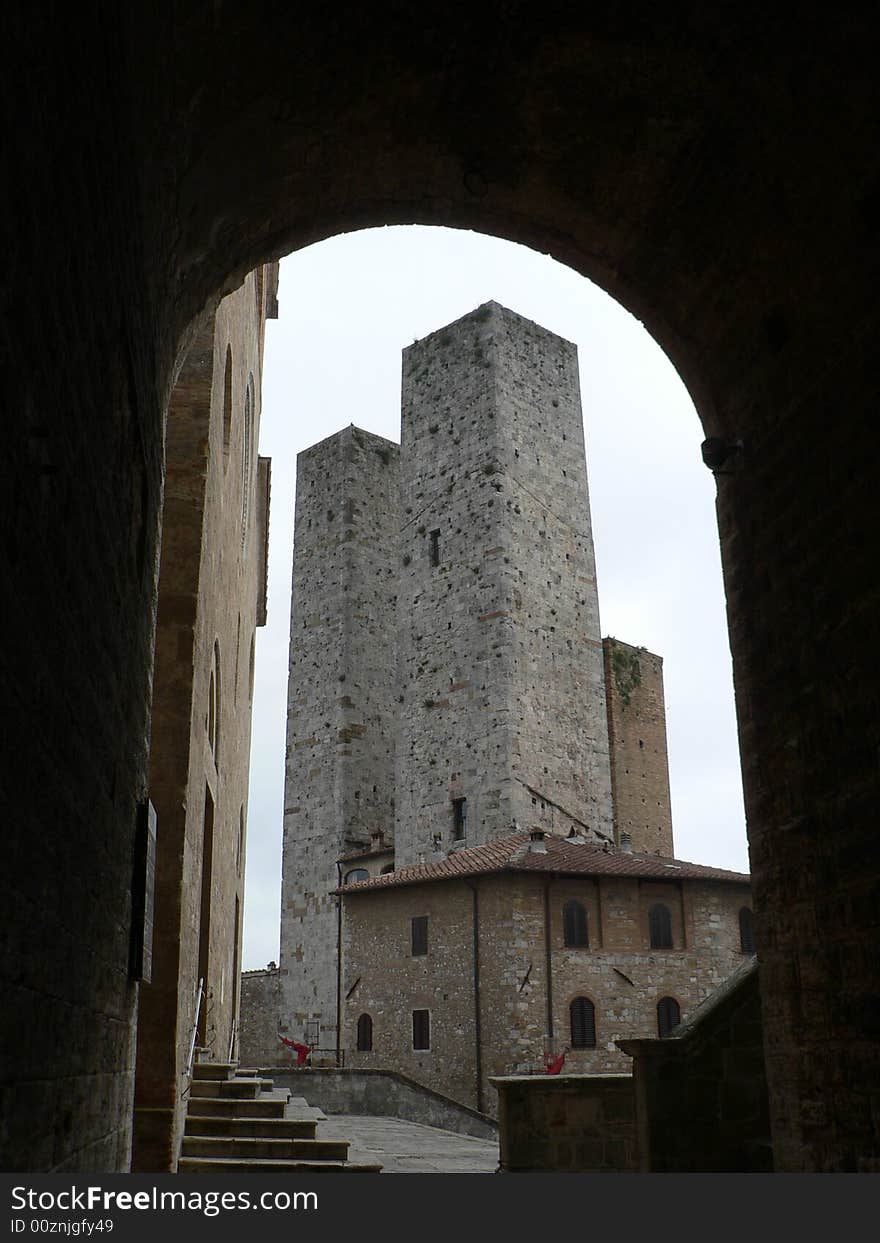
(410, 1148)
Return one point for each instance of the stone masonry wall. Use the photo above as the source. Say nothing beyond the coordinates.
(382, 978)
(637, 740)
(500, 660)
(618, 972)
(339, 779)
(259, 1044)
(213, 532)
(567, 1124)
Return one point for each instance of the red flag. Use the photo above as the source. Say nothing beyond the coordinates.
(302, 1051)
(554, 1065)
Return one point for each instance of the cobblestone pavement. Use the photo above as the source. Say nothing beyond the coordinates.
(410, 1148)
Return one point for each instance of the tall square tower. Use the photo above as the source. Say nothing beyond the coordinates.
(501, 719)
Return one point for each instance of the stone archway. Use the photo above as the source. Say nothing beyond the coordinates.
(714, 173)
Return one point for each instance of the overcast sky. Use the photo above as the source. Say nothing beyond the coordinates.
(347, 307)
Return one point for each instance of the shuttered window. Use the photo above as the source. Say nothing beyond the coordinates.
(668, 1015)
(574, 924)
(660, 926)
(365, 1034)
(746, 931)
(421, 1023)
(582, 1014)
(419, 936)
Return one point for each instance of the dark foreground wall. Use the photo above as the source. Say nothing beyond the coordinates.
(701, 1093)
(718, 175)
(567, 1124)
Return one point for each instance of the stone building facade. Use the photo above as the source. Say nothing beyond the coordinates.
(212, 596)
(449, 687)
(525, 947)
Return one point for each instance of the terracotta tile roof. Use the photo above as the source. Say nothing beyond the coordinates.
(563, 857)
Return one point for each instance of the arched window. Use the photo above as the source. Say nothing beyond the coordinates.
(365, 1034)
(746, 930)
(668, 1015)
(582, 1014)
(660, 926)
(574, 924)
(356, 874)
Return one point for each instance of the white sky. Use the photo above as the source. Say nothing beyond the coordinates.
(347, 307)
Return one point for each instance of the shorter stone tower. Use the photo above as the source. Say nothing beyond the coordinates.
(637, 736)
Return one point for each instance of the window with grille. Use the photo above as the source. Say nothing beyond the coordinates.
(459, 818)
(421, 1023)
(365, 1034)
(582, 1014)
(660, 926)
(574, 924)
(419, 935)
(668, 1015)
(746, 931)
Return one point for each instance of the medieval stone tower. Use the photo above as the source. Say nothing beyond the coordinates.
(501, 696)
(446, 683)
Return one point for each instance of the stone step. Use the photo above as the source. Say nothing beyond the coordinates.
(229, 1107)
(299, 1107)
(214, 1070)
(222, 1165)
(241, 1089)
(250, 1148)
(265, 1127)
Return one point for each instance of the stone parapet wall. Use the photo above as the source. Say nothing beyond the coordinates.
(384, 1094)
(569, 1124)
(258, 1042)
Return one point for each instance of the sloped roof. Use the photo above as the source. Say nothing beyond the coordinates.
(562, 857)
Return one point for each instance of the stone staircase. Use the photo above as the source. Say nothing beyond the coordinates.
(238, 1123)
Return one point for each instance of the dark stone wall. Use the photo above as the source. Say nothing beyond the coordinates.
(81, 492)
(701, 1094)
(567, 1124)
(716, 173)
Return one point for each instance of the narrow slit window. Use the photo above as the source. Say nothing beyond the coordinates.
(421, 1026)
(434, 536)
(419, 936)
(459, 819)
